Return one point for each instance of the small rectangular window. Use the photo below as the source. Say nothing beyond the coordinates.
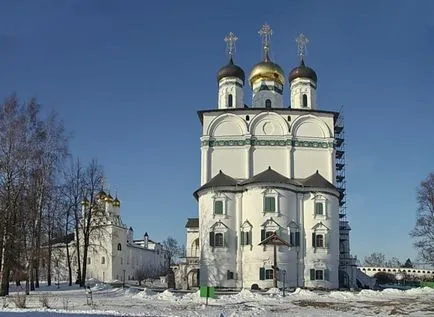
(88, 261)
(217, 239)
(319, 275)
(294, 239)
(269, 274)
(218, 207)
(319, 209)
(318, 240)
(246, 238)
(229, 275)
(269, 204)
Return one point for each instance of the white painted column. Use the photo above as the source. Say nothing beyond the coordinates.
(239, 255)
(204, 170)
(331, 169)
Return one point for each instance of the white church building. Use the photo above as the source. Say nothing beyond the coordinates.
(114, 255)
(270, 174)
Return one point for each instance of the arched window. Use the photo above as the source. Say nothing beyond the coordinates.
(103, 260)
(247, 118)
(267, 103)
(218, 240)
(230, 101)
(304, 100)
(119, 247)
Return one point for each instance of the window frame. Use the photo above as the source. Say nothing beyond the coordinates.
(119, 247)
(320, 199)
(230, 101)
(266, 207)
(319, 211)
(304, 101)
(322, 274)
(217, 202)
(246, 237)
(268, 103)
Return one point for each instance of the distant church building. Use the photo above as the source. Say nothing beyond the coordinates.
(272, 194)
(114, 255)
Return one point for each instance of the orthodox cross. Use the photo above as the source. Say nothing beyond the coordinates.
(265, 32)
(301, 43)
(230, 40)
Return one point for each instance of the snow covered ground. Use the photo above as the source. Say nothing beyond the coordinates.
(71, 302)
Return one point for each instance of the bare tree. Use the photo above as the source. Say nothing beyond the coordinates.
(93, 217)
(73, 194)
(375, 259)
(423, 232)
(393, 262)
(173, 249)
(145, 272)
(30, 151)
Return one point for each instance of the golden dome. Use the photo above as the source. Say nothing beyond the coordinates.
(108, 198)
(267, 70)
(85, 202)
(116, 202)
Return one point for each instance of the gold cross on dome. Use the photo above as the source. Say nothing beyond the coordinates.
(265, 32)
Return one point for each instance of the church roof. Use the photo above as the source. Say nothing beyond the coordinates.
(269, 176)
(220, 180)
(317, 180)
(192, 223)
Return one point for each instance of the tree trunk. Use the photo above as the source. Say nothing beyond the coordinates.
(68, 260)
(50, 251)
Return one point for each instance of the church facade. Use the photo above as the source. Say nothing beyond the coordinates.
(270, 201)
(114, 255)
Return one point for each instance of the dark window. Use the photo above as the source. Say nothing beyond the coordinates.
(269, 204)
(319, 275)
(267, 103)
(230, 100)
(269, 274)
(218, 240)
(265, 234)
(119, 247)
(230, 275)
(246, 237)
(247, 118)
(218, 207)
(318, 240)
(319, 209)
(103, 260)
(294, 239)
(304, 100)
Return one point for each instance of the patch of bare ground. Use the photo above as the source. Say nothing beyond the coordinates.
(323, 305)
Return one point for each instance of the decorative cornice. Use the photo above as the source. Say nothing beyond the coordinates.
(255, 142)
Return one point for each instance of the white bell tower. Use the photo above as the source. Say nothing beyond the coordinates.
(230, 79)
(303, 81)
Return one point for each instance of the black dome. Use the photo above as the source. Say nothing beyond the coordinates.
(302, 71)
(230, 70)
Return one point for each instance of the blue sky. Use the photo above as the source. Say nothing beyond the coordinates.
(127, 77)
